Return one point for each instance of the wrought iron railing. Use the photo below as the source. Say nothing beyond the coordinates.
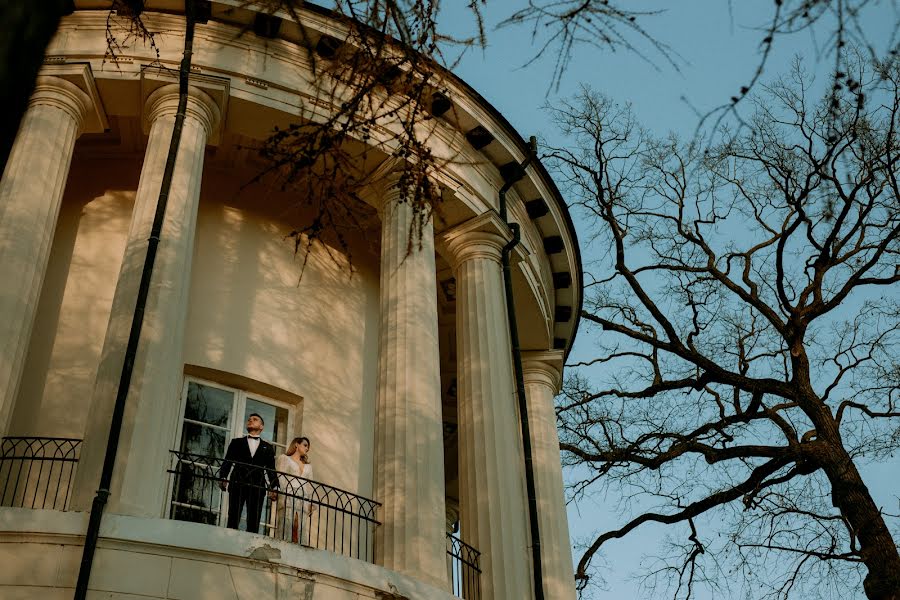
(306, 512)
(465, 573)
(37, 472)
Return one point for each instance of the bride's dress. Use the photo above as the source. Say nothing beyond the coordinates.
(293, 518)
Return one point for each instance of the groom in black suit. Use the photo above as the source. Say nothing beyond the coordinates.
(253, 460)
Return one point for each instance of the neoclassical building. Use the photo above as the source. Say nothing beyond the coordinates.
(395, 359)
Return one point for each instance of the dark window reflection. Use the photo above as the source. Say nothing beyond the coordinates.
(275, 417)
(208, 404)
(196, 496)
(199, 439)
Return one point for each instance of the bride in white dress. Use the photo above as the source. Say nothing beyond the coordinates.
(293, 511)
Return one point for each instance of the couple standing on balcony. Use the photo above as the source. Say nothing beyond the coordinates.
(254, 465)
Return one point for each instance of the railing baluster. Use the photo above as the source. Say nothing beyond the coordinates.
(36, 488)
(58, 481)
(15, 492)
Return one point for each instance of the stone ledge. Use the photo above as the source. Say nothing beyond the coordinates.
(185, 554)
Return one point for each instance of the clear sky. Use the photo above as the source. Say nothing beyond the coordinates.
(716, 45)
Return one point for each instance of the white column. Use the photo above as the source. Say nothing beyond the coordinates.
(542, 372)
(30, 196)
(492, 498)
(409, 444)
(151, 413)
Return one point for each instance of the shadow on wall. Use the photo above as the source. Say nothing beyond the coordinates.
(252, 314)
(76, 297)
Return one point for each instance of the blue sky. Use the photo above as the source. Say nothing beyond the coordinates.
(716, 45)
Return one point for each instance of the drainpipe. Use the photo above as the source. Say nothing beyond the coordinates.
(115, 426)
(520, 377)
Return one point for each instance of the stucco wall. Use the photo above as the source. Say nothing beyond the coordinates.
(75, 300)
(252, 314)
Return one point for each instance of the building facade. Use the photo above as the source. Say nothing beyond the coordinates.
(394, 358)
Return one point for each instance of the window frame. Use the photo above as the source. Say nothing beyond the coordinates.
(234, 429)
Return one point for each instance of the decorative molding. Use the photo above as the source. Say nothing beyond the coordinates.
(257, 83)
(217, 88)
(487, 230)
(80, 74)
(545, 366)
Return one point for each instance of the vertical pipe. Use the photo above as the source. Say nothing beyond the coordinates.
(115, 426)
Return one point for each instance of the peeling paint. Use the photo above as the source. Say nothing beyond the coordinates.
(264, 552)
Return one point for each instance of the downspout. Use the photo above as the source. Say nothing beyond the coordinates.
(115, 426)
(520, 377)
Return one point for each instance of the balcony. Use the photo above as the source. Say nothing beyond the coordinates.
(308, 512)
(37, 473)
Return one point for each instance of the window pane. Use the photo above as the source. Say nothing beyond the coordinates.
(208, 404)
(275, 419)
(199, 439)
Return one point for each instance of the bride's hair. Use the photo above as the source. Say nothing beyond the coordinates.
(292, 447)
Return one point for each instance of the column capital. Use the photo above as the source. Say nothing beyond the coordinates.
(384, 177)
(163, 102)
(387, 182)
(483, 236)
(64, 95)
(385, 185)
(543, 367)
(215, 90)
(73, 83)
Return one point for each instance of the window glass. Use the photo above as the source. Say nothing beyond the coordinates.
(202, 439)
(208, 404)
(275, 418)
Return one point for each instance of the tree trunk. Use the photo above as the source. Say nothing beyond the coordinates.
(876, 545)
(849, 493)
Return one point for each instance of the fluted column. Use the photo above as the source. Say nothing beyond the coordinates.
(492, 496)
(409, 448)
(151, 412)
(30, 196)
(542, 372)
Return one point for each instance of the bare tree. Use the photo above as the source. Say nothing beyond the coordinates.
(383, 75)
(747, 323)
